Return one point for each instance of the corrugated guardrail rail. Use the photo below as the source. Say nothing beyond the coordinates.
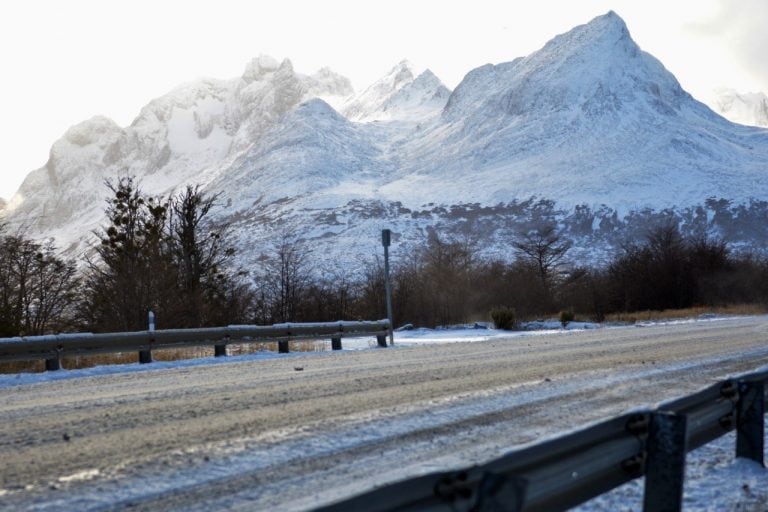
(53, 347)
(569, 470)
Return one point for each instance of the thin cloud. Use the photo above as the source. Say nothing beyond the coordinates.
(741, 28)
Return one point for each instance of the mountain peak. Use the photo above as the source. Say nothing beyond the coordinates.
(610, 18)
(399, 75)
(259, 66)
(749, 108)
(399, 95)
(606, 33)
(91, 130)
(596, 67)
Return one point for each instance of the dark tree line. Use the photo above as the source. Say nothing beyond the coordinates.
(38, 289)
(165, 254)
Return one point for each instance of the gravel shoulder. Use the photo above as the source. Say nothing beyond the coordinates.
(259, 434)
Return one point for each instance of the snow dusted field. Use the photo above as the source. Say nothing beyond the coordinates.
(254, 433)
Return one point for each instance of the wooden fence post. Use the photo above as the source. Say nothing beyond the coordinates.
(335, 343)
(282, 347)
(665, 462)
(381, 339)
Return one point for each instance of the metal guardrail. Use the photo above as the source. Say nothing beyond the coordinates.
(561, 473)
(53, 347)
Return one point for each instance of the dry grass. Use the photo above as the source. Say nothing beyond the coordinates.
(672, 314)
(235, 349)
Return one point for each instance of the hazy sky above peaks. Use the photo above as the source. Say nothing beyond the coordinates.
(66, 61)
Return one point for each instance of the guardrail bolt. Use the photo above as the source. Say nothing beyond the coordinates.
(335, 343)
(635, 465)
(451, 488)
(665, 463)
(497, 492)
(750, 421)
(638, 425)
(730, 390)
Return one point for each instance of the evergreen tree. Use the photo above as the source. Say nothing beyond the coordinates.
(164, 255)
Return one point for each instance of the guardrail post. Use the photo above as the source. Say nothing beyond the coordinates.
(335, 343)
(665, 463)
(750, 421)
(282, 347)
(220, 350)
(381, 339)
(52, 364)
(145, 356)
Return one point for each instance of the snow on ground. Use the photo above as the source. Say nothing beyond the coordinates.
(715, 480)
(403, 338)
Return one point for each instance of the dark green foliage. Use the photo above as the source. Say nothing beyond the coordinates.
(504, 318)
(161, 254)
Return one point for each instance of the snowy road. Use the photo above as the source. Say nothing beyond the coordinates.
(262, 435)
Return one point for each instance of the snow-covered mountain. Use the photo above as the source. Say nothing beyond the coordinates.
(589, 132)
(744, 108)
(400, 94)
(189, 135)
(588, 119)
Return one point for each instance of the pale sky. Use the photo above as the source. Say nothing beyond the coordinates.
(65, 61)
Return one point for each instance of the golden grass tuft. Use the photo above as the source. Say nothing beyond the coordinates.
(674, 314)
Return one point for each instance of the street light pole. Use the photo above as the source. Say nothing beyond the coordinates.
(386, 236)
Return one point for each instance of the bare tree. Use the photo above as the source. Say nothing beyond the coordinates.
(38, 289)
(545, 249)
(286, 276)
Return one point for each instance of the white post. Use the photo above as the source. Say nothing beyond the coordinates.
(145, 356)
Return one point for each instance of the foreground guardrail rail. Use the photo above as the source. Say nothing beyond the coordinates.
(563, 472)
(53, 347)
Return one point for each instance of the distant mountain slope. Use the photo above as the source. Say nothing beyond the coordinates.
(744, 108)
(589, 118)
(188, 135)
(588, 132)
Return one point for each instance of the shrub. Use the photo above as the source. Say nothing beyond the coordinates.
(504, 318)
(566, 317)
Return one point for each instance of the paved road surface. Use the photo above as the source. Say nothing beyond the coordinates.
(255, 435)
